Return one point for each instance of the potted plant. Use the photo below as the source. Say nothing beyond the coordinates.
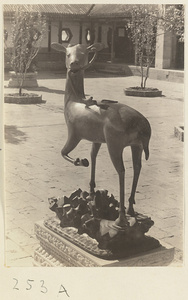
(27, 33)
(142, 30)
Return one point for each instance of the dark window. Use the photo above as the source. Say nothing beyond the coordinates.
(66, 35)
(89, 36)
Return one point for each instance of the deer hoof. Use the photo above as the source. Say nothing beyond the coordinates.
(121, 222)
(81, 162)
(77, 162)
(131, 212)
(84, 162)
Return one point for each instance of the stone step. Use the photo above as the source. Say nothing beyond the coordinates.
(111, 71)
(110, 68)
(132, 70)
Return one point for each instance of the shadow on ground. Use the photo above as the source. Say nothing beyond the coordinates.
(13, 135)
(46, 90)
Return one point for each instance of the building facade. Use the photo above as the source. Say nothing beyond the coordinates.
(89, 23)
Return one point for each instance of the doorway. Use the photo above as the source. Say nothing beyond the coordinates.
(123, 46)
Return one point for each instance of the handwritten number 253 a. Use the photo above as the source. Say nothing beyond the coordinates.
(43, 290)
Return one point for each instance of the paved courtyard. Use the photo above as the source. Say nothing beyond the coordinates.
(35, 170)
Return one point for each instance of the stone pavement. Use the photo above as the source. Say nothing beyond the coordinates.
(35, 170)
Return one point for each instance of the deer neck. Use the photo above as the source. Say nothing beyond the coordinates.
(74, 90)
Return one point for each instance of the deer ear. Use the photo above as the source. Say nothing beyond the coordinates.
(96, 47)
(58, 47)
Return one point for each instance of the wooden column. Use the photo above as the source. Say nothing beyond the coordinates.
(59, 33)
(112, 46)
(80, 33)
(49, 36)
(92, 33)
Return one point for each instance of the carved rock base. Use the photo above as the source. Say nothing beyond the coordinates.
(96, 215)
(56, 250)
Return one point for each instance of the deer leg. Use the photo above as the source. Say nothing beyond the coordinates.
(94, 152)
(137, 164)
(71, 143)
(117, 160)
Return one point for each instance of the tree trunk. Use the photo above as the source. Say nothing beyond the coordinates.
(146, 77)
(142, 71)
(20, 86)
(22, 82)
(20, 90)
(147, 71)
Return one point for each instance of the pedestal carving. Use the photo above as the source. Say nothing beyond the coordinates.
(57, 251)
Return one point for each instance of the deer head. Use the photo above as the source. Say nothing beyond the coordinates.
(77, 55)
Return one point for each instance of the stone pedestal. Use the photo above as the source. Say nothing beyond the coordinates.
(30, 80)
(56, 250)
(179, 132)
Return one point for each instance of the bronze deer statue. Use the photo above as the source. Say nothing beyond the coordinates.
(115, 124)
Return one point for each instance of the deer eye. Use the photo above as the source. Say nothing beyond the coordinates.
(68, 54)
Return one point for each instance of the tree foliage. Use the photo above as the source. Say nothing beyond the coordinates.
(173, 20)
(27, 33)
(143, 31)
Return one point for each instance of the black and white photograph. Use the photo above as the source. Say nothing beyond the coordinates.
(93, 141)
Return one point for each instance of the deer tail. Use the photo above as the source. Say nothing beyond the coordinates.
(146, 151)
(145, 140)
(145, 143)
